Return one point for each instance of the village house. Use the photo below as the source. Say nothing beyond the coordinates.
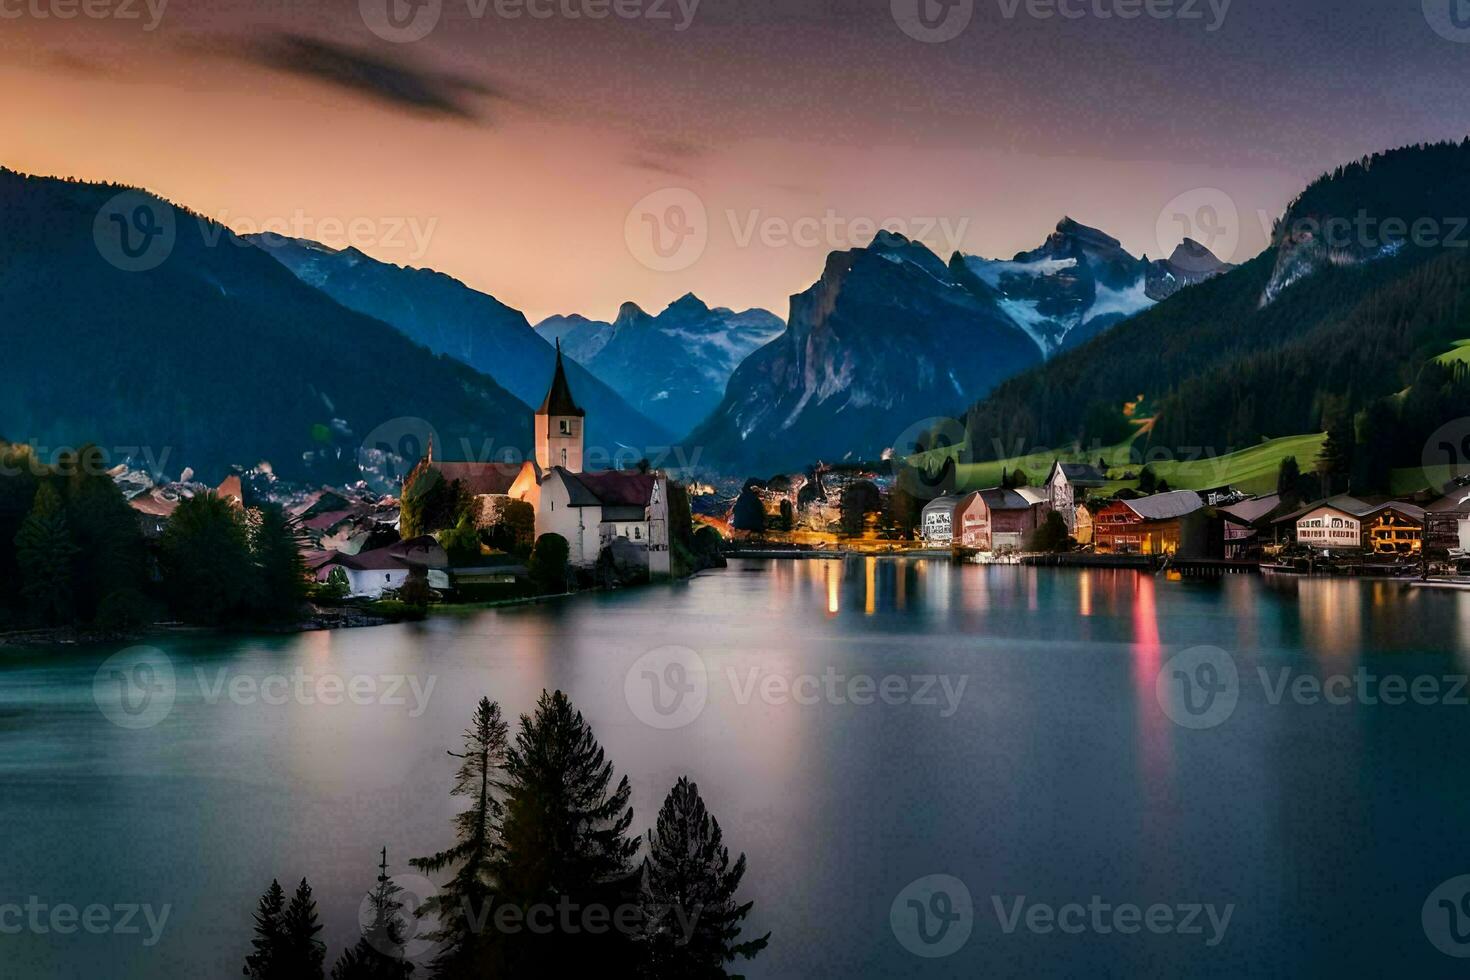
(1066, 487)
(1164, 523)
(369, 574)
(996, 519)
(1244, 522)
(1345, 523)
(1447, 524)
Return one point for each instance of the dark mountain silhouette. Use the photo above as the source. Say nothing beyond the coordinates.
(209, 352)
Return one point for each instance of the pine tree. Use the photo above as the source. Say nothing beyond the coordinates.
(1288, 481)
(566, 843)
(302, 952)
(463, 903)
(378, 954)
(280, 575)
(207, 565)
(44, 551)
(691, 918)
(265, 962)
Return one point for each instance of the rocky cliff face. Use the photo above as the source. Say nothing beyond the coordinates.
(888, 336)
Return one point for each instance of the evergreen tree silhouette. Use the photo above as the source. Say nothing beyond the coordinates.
(378, 954)
(463, 904)
(692, 920)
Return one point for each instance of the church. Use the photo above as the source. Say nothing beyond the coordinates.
(592, 510)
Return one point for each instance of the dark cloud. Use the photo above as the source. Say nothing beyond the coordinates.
(389, 81)
(666, 156)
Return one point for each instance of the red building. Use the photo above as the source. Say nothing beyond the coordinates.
(995, 520)
(1164, 523)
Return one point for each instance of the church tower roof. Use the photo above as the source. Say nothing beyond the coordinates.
(558, 399)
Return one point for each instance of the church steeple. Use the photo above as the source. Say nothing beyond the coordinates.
(558, 400)
(558, 424)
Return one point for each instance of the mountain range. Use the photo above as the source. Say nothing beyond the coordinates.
(450, 318)
(224, 352)
(205, 352)
(673, 367)
(891, 334)
(1355, 330)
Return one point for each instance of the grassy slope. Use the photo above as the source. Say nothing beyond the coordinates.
(1252, 470)
(1459, 354)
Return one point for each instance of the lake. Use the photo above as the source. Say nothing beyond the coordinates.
(933, 770)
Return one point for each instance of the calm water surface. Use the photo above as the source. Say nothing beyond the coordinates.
(1056, 775)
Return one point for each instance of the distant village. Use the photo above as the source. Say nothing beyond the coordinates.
(1092, 525)
(468, 529)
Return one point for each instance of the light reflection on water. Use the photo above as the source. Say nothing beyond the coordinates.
(1057, 777)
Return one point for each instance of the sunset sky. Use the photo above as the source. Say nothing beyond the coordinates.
(513, 151)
